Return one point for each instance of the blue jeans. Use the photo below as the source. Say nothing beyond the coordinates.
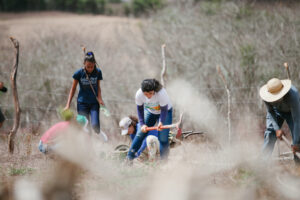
(92, 110)
(42, 147)
(45, 148)
(163, 136)
(270, 133)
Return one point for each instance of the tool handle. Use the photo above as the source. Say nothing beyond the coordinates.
(163, 127)
(151, 128)
(289, 144)
(169, 126)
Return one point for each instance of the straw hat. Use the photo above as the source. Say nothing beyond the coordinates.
(275, 89)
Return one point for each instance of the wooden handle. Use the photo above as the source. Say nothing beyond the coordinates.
(163, 127)
(151, 128)
(289, 145)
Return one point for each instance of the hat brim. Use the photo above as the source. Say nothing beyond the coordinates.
(272, 97)
(124, 132)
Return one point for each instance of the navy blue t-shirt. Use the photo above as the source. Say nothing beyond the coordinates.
(86, 94)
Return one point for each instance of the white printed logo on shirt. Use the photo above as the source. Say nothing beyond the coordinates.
(153, 105)
(85, 81)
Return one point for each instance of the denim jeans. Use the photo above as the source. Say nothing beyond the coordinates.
(92, 110)
(163, 136)
(42, 147)
(270, 133)
(45, 148)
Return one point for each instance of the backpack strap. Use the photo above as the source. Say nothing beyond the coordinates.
(88, 78)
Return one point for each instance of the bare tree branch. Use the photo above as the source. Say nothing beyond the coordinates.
(13, 78)
(228, 102)
(163, 71)
(287, 70)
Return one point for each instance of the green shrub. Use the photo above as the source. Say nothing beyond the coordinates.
(211, 7)
(115, 1)
(20, 171)
(127, 9)
(140, 7)
(91, 6)
(84, 6)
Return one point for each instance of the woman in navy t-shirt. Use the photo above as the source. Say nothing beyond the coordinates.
(89, 96)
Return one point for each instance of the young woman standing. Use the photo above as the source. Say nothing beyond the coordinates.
(89, 96)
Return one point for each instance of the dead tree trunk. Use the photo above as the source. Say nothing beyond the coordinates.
(13, 77)
(163, 71)
(228, 103)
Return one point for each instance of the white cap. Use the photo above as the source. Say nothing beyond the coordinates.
(124, 125)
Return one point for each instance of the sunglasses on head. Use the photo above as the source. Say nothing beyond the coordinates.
(90, 53)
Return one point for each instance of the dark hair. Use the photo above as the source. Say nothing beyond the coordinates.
(134, 122)
(4, 89)
(149, 85)
(90, 57)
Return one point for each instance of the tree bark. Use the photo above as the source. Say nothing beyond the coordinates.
(13, 77)
(164, 70)
(228, 103)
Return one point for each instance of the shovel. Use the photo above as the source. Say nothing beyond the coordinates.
(289, 144)
(177, 125)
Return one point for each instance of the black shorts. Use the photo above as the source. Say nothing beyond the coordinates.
(2, 118)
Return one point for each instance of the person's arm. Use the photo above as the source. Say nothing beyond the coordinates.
(272, 115)
(295, 110)
(164, 104)
(162, 116)
(99, 93)
(140, 111)
(71, 94)
(139, 100)
(163, 113)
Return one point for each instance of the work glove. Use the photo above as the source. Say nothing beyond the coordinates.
(279, 134)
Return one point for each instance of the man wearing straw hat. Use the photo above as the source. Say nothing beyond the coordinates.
(283, 103)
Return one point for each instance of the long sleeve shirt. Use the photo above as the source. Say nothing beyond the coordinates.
(290, 103)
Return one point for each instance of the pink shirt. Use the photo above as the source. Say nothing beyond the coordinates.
(56, 129)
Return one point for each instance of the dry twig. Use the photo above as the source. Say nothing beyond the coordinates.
(228, 103)
(13, 77)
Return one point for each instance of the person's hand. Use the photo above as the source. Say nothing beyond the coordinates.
(144, 128)
(296, 148)
(101, 101)
(67, 107)
(160, 124)
(279, 134)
